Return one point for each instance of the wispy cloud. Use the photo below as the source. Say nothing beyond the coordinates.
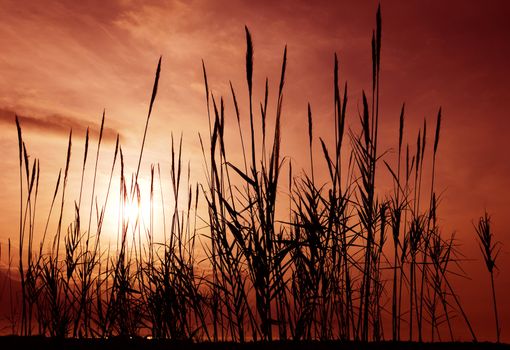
(56, 124)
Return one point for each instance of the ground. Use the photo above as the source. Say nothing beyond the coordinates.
(15, 342)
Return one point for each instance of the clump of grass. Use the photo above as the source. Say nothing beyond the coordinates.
(320, 273)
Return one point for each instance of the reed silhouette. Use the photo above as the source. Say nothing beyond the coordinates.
(323, 271)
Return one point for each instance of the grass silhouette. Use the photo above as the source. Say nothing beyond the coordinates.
(490, 251)
(325, 272)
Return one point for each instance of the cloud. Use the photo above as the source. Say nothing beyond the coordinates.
(57, 124)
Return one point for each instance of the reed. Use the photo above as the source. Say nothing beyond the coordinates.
(490, 251)
(342, 261)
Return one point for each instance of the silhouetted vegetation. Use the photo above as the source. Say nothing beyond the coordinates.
(490, 251)
(323, 269)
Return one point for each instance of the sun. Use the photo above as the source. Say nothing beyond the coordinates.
(135, 212)
(131, 211)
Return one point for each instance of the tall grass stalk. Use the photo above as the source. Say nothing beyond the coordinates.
(490, 251)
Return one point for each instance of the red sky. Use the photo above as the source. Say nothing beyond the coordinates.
(62, 62)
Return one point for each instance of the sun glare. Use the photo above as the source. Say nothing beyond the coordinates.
(132, 211)
(135, 212)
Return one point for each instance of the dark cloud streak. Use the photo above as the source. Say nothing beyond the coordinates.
(56, 124)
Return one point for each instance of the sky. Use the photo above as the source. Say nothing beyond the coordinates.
(63, 62)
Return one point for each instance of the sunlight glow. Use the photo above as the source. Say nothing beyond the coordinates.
(132, 211)
(136, 213)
